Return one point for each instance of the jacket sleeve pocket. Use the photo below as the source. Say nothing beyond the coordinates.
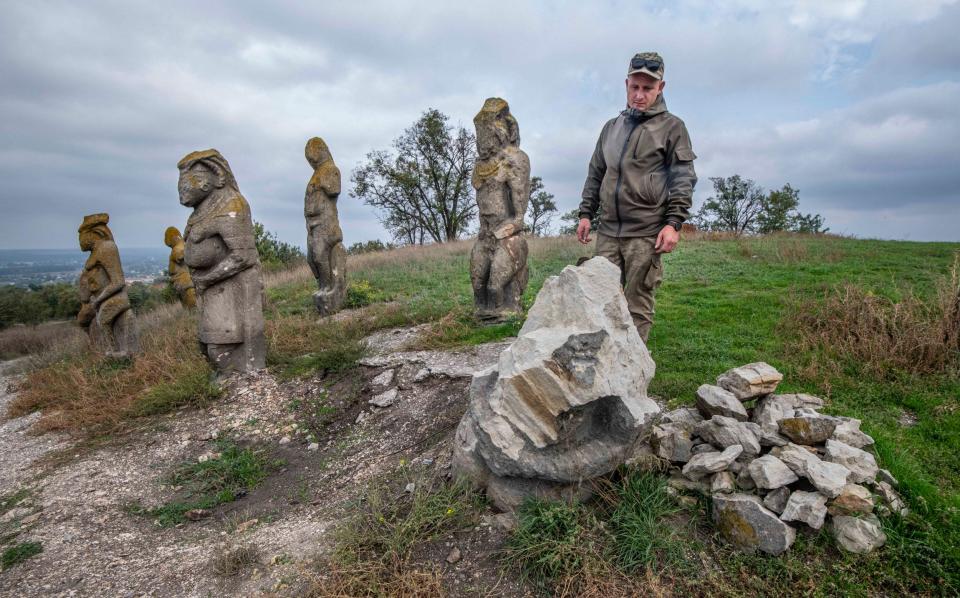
(685, 154)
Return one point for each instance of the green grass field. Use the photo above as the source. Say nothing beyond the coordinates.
(726, 302)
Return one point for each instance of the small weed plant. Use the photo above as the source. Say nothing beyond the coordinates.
(234, 472)
(18, 553)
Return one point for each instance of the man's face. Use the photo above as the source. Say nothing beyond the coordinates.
(642, 91)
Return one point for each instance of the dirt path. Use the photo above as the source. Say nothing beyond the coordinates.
(93, 544)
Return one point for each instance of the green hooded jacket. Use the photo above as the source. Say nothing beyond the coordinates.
(641, 174)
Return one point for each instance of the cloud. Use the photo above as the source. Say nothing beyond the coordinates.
(98, 104)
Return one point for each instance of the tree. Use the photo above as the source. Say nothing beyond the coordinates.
(807, 223)
(573, 219)
(274, 252)
(540, 207)
(778, 210)
(735, 207)
(424, 190)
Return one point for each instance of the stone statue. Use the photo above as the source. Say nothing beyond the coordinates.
(220, 251)
(179, 274)
(325, 252)
(105, 307)
(501, 176)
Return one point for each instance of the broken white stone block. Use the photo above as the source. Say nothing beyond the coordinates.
(385, 398)
(707, 463)
(770, 473)
(751, 380)
(852, 500)
(862, 465)
(773, 408)
(776, 500)
(860, 535)
(806, 507)
(723, 482)
(713, 400)
(744, 522)
(671, 442)
(808, 429)
(721, 432)
(848, 432)
(384, 378)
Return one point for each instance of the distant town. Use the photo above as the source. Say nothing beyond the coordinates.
(26, 267)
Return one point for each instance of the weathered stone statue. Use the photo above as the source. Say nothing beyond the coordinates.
(501, 176)
(567, 401)
(220, 251)
(179, 274)
(105, 307)
(325, 252)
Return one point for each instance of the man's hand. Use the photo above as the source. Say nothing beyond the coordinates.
(666, 240)
(583, 231)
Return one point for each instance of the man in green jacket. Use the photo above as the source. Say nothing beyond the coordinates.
(641, 179)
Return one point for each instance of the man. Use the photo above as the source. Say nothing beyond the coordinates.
(641, 180)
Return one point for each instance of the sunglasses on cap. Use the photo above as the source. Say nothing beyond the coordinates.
(651, 65)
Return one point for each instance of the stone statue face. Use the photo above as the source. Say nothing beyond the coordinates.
(87, 239)
(196, 183)
(317, 152)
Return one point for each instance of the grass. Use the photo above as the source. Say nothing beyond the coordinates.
(19, 553)
(231, 473)
(229, 562)
(372, 555)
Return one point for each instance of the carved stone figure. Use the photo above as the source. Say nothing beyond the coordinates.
(501, 176)
(105, 307)
(220, 251)
(179, 274)
(325, 252)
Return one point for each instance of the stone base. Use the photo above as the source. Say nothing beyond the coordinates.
(507, 494)
(121, 341)
(328, 302)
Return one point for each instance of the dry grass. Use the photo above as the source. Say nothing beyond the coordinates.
(912, 335)
(87, 391)
(18, 341)
(375, 579)
(228, 562)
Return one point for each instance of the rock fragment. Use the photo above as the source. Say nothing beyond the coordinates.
(687, 417)
(860, 535)
(751, 380)
(808, 429)
(776, 500)
(852, 500)
(770, 473)
(773, 408)
(671, 442)
(723, 483)
(848, 432)
(806, 507)
(862, 465)
(744, 522)
(713, 400)
(721, 432)
(385, 398)
(891, 499)
(707, 463)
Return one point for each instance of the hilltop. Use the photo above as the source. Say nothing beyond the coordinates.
(143, 477)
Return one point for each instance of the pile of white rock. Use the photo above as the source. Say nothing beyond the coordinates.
(776, 464)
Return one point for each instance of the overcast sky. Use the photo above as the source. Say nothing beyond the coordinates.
(856, 103)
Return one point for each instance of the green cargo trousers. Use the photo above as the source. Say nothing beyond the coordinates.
(640, 274)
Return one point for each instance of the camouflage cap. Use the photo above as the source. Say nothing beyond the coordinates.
(648, 63)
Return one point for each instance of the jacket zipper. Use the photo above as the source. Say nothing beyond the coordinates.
(616, 190)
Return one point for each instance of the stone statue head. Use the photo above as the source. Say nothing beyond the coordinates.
(317, 152)
(200, 173)
(496, 127)
(94, 228)
(172, 236)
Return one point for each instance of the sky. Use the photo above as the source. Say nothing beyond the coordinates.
(856, 103)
